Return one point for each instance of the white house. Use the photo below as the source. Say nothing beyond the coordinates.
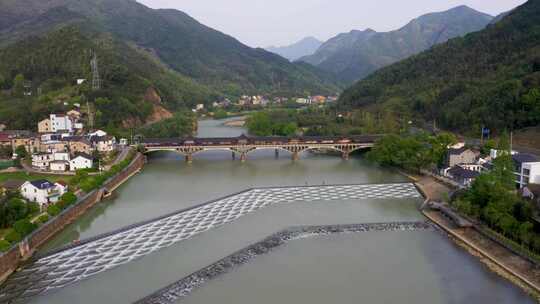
(59, 165)
(103, 144)
(43, 192)
(98, 133)
(527, 169)
(61, 122)
(42, 161)
(61, 156)
(81, 161)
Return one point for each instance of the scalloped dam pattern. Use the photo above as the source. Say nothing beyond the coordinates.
(185, 286)
(74, 263)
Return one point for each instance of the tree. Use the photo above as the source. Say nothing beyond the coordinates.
(526, 232)
(259, 124)
(18, 85)
(53, 210)
(503, 171)
(24, 227)
(69, 198)
(13, 237)
(21, 152)
(4, 245)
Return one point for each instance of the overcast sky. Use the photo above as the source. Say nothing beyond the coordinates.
(261, 23)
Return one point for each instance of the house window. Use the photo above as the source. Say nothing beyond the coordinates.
(526, 172)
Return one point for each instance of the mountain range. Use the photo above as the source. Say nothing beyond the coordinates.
(490, 78)
(304, 47)
(171, 37)
(356, 54)
(51, 43)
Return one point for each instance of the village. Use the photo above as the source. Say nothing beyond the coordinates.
(259, 101)
(61, 163)
(464, 164)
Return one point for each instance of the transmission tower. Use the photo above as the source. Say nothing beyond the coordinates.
(96, 81)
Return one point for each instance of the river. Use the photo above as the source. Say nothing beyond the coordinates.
(371, 267)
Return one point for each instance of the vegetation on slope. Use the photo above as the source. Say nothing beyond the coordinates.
(357, 54)
(489, 78)
(209, 57)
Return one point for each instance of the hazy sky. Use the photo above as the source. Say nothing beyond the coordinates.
(261, 23)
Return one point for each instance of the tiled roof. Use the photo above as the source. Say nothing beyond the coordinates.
(457, 171)
(81, 154)
(42, 184)
(524, 158)
(458, 151)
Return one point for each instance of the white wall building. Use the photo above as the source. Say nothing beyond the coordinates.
(42, 192)
(60, 122)
(81, 161)
(64, 156)
(42, 161)
(59, 165)
(527, 169)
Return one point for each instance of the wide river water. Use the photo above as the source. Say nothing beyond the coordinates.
(372, 267)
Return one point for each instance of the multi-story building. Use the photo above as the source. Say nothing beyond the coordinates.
(527, 169)
(61, 122)
(460, 156)
(30, 143)
(43, 192)
(42, 161)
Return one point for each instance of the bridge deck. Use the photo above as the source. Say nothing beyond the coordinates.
(99, 254)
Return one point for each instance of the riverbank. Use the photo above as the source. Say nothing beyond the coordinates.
(11, 259)
(498, 258)
(237, 123)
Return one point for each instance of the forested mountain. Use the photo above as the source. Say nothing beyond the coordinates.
(183, 44)
(49, 44)
(357, 54)
(304, 47)
(490, 78)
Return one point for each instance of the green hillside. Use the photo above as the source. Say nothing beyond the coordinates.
(52, 63)
(489, 78)
(209, 57)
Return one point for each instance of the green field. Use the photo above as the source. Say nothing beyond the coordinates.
(26, 176)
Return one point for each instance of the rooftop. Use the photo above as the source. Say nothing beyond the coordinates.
(42, 184)
(457, 171)
(458, 151)
(524, 158)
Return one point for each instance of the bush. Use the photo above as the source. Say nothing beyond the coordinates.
(42, 219)
(33, 208)
(13, 237)
(24, 227)
(53, 210)
(4, 245)
(69, 198)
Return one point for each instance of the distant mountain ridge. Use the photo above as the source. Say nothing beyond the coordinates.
(490, 78)
(356, 54)
(304, 47)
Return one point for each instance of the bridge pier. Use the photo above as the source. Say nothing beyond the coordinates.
(243, 157)
(296, 156)
(345, 155)
(233, 155)
(277, 153)
(189, 158)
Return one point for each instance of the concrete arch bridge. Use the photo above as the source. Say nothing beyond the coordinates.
(244, 145)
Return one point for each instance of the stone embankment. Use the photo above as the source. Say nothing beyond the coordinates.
(182, 288)
(10, 260)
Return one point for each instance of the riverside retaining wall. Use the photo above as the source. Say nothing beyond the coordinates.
(20, 252)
